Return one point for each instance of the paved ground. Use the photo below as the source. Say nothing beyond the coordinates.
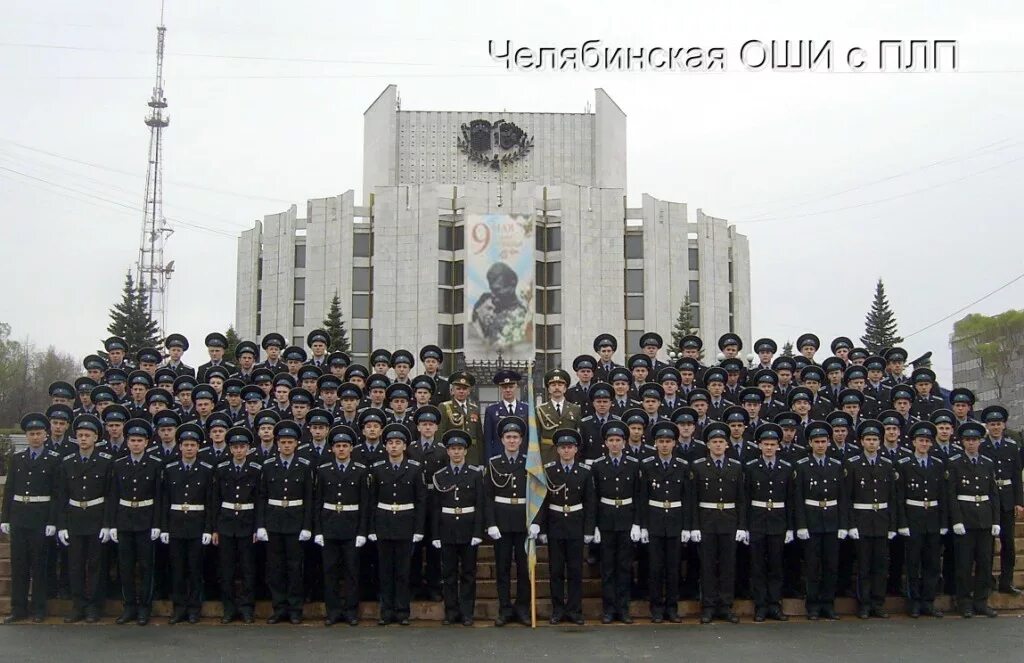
(923, 640)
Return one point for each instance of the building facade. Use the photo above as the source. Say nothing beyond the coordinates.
(397, 259)
(994, 371)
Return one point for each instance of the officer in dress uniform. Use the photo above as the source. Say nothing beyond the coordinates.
(284, 520)
(135, 499)
(605, 346)
(925, 402)
(973, 495)
(821, 511)
(247, 354)
(807, 345)
(397, 520)
(1005, 455)
(456, 508)
(462, 413)
(555, 413)
(177, 345)
(509, 405)
(216, 344)
(273, 344)
(83, 509)
(432, 358)
(583, 366)
(318, 341)
(116, 348)
(600, 399)
(236, 492)
(665, 520)
(505, 519)
(340, 522)
(650, 344)
(567, 520)
(765, 349)
(27, 516)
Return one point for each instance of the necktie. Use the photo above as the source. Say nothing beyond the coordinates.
(456, 470)
(924, 464)
(667, 463)
(558, 408)
(974, 460)
(511, 410)
(284, 464)
(396, 467)
(238, 469)
(770, 466)
(718, 464)
(821, 462)
(566, 469)
(188, 467)
(871, 462)
(33, 457)
(615, 462)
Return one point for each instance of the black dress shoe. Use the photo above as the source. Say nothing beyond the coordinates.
(830, 613)
(915, 611)
(524, 618)
(759, 616)
(383, 622)
(295, 619)
(91, 618)
(74, 618)
(446, 622)
(864, 613)
(967, 613)
(126, 616)
(404, 621)
(656, 619)
(989, 612)
(606, 619)
(13, 618)
(330, 621)
(143, 618)
(625, 618)
(930, 610)
(467, 622)
(499, 621)
(731, 617)
(193, 619)
(275, 618)
(354, 621)
(879, 613)
(38, 619)
(247, 618)
(777, 615)
(1009, 589)
(177, 619)
(674, 618)
(578, 620)
(812, 616)
(557, 617)
(705, 617)
(228, 618)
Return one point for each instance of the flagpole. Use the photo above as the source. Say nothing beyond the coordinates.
(531, 545)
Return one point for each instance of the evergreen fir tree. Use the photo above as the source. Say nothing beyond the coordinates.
(880, 329)
(335, 326)
(130, 319)
(787, 349)
(233, 340)
(684, 323)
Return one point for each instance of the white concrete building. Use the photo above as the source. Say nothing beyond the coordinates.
(397, 259)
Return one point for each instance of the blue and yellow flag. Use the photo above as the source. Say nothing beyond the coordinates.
(536, 491)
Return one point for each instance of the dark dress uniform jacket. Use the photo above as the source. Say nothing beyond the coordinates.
(870, 485)
(430, 459)
(236, 488)
(825, 487)
(294, 485)
(457, 504)
(565, 491)
(84, 481)
(622, 485)
(975, 481)
(926, 485)
(32, 478)
(693, 451)
(507, 481)
(194, 488)
(336, 493)
(397, 487)
(774, 488)
(135, 483)
(1006, 461)
(712, 485)
(667, 508)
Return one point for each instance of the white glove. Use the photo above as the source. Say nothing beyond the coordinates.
(416, 538)
(113, 534)
(50, 530)
(154, 534)
(803, 534)
(959, 529)
(854, 533)
(743, 536)
(207, 539)
(695, 536)
(436, 543)
(684, 536)
(891, 535)
(588, 539)
(64, 537)
(534, 531)
(634, 533)
(360, 541)
(165, 537)
(842, 534)
(645, 536)
(789, 536)
(105, 535)
(597, 536)
(261, 534)
(475, 541)
(305, 535)
(903, 531)
(943, 531)
(543, 538)
(372, 537)
(995, 530)
(494, 532)
(319, 540)
(5, 528)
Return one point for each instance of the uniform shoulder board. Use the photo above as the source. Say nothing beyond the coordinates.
(171, 464)
(323, 465)
(649, 459)
(1010, 441)
(936, 460)
(750, 463)
(206, 465)
(954, 457)
(985, 457)
(378, 463)
(303, 460)
(854, 459)
(478, 468)
(256, 464)
(355, 464)
(885, 459)
(53, 453)
(835, 461)
(121, 459)
(905, 459)
(495, 457)
(632, 459)
(804, 461)
(701, 461)
(414, 463)
(599, 460)
(733, 460)
(224, 463)
(583, 466)
(551, 464)
(785, 462)
(104, 454)
(589, 417)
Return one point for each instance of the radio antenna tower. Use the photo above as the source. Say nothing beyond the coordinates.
(152, 275)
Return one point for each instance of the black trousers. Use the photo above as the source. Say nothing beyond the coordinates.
(425, 571)
(821, 557)
(741, 576)
(846, 570)
(341, 564)
(766, 570)
(974, 568)
(211, 573)
(922, 552)
(690, 578)
(663, 553)
(369, 571)
(312, 571)
(284, 573)
(566, 576)
(616, 572)
(1007, 549)
(718, 571)
(186, 576)
(85, 568)
(949, 563)
(897, 561)
(394, 556)
(458, 582)
(29, 556)
(512, 546)
(162, 579)
(793, 570)
(135, 555)
(57, 568)
(872, 570)
(237, 558)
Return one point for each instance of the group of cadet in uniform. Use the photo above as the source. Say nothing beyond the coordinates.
(306, 477)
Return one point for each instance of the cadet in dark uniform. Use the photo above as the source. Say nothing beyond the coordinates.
(505, 504)
(567, 520)
(820, 510)
(28, 517)
(650, 344)
(216, 343)
(690, 449)
(236, 492)
(871, 482)
(457, 515)
(946, 447)
(135, 499)
(177, 345)
(83, 511)
(665, 519)
(923, 518)
(1005, 455)
(720, 522)
(925, 402)
(340, 521)
(605, 346)
(973, 496)
(584, 366)
(426, 449)
(619, 488)
(284, 519)
(186, 512)
(432, 357)
(397, 520)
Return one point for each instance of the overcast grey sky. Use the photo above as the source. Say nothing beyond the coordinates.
(837, 178)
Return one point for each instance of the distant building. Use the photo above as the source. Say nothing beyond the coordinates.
(1003, 384)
